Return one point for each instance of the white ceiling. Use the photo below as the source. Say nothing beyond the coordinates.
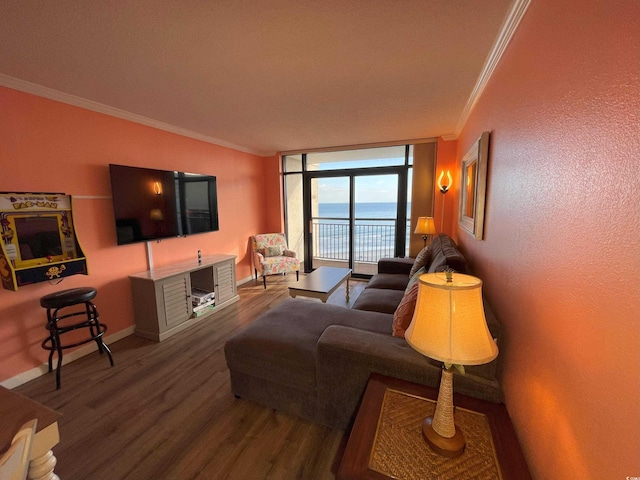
(260, 75)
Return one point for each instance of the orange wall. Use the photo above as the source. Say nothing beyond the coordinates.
(50, 146)
(446, 161)
(561, 254)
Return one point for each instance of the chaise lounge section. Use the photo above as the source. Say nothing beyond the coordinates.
(313, 360)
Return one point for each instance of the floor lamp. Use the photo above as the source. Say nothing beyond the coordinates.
(443, 190)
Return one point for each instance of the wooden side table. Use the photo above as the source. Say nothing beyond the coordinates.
(386, 440)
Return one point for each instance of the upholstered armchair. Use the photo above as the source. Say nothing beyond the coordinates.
(272, 256)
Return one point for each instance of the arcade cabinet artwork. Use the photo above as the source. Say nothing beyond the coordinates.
(38, 239)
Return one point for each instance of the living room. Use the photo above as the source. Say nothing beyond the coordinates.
(560, 240)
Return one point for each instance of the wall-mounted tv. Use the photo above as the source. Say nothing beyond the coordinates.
(151, 204)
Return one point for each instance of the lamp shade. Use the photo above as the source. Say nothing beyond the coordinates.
(448, 322)
(425, 226)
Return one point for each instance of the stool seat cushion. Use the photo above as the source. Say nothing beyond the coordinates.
(66, 298)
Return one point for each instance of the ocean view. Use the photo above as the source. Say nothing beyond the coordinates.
(373, 239)
(363, 210)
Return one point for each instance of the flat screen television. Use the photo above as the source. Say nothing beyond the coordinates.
(151, 204)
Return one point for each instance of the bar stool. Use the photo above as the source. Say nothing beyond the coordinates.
(56, 325)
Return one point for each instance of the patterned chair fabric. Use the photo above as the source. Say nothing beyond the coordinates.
(271, 256)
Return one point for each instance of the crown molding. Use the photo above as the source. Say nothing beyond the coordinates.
(51, 94)
(448, 137)
(507, 31)
(360, 146)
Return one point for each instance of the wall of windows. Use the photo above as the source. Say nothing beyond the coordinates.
(349, 208)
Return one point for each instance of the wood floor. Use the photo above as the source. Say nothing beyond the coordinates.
(165, 411)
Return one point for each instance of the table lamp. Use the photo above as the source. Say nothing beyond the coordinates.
(449, 325)
(426, 227)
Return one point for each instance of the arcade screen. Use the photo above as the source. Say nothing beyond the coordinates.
(38, 237)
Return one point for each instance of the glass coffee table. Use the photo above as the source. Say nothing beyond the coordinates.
(321, 283)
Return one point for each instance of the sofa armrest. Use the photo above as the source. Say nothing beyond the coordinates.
(346, 357)
(395, 265)
(289, 253)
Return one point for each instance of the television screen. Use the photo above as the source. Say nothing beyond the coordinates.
(151, 204)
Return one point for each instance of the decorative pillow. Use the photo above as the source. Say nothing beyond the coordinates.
(422, 260)
(404, 313)
(414, 278)
(273, 251)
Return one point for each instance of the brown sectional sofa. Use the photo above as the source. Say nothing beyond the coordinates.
(313, 360)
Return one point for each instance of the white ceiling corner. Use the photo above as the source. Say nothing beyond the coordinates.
(507, 31)
(286, 75)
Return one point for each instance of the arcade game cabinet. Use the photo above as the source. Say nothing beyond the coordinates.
(38, 239)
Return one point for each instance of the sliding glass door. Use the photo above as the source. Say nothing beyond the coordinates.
(376, 218)
(330, 217)
(349, 208)
(355, 220)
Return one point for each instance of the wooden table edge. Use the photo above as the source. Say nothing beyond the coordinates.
(356, 455)
(322, 295)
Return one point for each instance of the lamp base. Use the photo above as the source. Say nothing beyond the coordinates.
(447, 447)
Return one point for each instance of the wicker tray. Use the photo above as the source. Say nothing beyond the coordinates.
(399, 451)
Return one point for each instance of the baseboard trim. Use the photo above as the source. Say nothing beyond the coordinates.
(244, 280)
(43, 369)
(83, 351)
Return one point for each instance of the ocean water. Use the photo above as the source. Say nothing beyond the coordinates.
(363, 210)
(374, 231)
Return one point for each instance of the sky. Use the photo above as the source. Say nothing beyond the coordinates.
(368, 188)
(378, 188)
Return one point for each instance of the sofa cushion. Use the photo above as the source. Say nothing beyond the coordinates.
(414, 279)
(280, 346)
(422, 260)
(391, 281)
(446, 255)
(395, 265)
(454, 260)
(379, 300)
(404, 313)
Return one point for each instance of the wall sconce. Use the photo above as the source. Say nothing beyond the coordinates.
(157, 188)
(444, 189)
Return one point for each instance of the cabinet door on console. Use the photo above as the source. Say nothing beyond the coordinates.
(225, 279)
(176, 296)
(162, 297)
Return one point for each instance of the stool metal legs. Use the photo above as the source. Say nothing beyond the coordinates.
(54, 344)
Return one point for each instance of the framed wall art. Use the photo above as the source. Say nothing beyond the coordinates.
(473, 187)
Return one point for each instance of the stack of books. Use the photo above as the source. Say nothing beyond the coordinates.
(203, 302)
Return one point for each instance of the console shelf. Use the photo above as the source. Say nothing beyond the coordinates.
(162, 298)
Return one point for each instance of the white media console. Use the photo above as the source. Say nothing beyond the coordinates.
(162, 298)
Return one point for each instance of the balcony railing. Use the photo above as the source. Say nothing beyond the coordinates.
(374, 238)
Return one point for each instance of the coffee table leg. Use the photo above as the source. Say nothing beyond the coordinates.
(347, 289)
